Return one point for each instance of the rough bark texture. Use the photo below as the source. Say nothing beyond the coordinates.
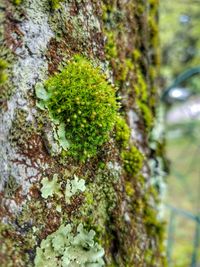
(120, 202)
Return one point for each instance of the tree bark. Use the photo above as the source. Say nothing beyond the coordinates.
(119, 202)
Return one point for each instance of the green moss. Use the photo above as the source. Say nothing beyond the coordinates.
(54, 3)
(124, 69)
(17, 2)
(133, 160)
(146, 114)
(122, 134)
(141, 85)
(129, 189)
(111, 48)
(136, 54)
(84, 103)
(3, 75)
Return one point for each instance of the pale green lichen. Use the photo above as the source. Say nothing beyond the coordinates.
(63, 248)
(49, 188)
(72, 187)
(53, 187)
(59, 135)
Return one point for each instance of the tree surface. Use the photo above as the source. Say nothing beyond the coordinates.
(80, 161)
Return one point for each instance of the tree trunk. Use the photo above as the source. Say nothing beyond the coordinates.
(89, 201)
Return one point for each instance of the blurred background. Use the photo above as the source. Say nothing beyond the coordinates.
(180, 84)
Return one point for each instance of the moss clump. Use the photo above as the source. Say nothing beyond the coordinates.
(122, 132)
(140, 86)
(129, 189)
(17, 2)
(146, 113)
(133, 160)
(84, 103)
(111, 48)
(3, 75)
(53, 3)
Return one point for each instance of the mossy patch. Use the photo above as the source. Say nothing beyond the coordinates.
(133, 160)
(17, 2)
(122, 134)
(81, 100)
(3, 75)
(146, 114)
(54, 3)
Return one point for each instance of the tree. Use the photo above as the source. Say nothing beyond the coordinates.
(78, 99)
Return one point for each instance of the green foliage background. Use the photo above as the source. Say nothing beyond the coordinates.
(180, 42)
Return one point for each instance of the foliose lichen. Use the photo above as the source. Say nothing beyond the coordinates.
(65, 249)
(74, 186)
(81, 100)
(49, 188)
(54, 187)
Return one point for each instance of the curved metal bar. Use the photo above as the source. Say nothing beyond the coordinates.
(181, 78)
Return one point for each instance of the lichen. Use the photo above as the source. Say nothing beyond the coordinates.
(53, 187)
(84, 103)
(49, 188)
(72, 187)
(63, 248)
